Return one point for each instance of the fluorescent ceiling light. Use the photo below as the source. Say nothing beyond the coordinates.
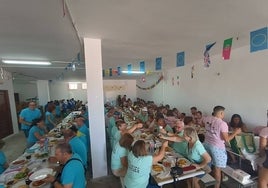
(133, 72)
(20, 62)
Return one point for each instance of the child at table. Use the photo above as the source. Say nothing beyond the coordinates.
(3, 161)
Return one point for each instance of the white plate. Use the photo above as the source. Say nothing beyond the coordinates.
(187, 162)
(41, 174)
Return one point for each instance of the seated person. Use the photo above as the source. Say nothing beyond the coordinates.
(120, 129)
(37, 132)
(3, 161)
(263, 168)
(161, 124)
(235, 123)
(180, 143)
(195, 152)
(170, 119)
(72, 174)
(143, 115)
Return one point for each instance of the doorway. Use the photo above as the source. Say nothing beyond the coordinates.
(5, 120)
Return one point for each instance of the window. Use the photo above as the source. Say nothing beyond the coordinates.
(73, 85)
(84, 85)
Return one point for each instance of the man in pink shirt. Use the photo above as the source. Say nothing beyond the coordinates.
(215, 138)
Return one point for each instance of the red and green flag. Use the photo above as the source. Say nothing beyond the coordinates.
(226, 51)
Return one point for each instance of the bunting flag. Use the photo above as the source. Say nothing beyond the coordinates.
(152, 86)
(118, 71)
(258, 40)
(142, 66)
(158, 63)
(180, 59)
(103, 73)
(206, 54)
(106, 72)
(226, 51)
(110, 72)
(129, 68)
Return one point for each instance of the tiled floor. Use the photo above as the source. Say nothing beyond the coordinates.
(15, 145)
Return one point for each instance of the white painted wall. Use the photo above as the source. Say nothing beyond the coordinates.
(112, 88)
(240, 86)
(60, 90)
(8, 85)
(25, 90)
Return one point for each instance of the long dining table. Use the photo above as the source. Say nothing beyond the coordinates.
(34, 164)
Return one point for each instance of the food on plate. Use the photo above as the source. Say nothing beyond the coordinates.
(143, 136)
(41, 155)
(157, 168)
(182, 162)
(167, 163)
(38, 183)
(168, 149)
(11, 182)
(23, 186)
(20, 175)
(19, 162)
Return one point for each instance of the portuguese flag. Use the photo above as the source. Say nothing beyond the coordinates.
(227, 45)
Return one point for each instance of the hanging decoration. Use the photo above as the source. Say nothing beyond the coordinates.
(180, 59)
(226, 51)
(206, 54)
(172, 81)
(258, 39)
(152, 86)
(192, 72)
(178, 82)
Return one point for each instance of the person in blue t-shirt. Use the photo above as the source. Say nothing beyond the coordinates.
(26, 117)
(72, 174)
(140, 164)
(119, 156)
(50, 119)
(37, 132)
(83, 130)
(3, 161)
(76, 144)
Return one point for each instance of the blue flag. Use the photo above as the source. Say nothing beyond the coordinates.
(129, 68)
(118, 71)
(206, 54)
(180, 59)
(142, 66)
(158, 63)
(258, 40)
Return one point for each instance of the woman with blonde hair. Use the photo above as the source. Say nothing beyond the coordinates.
(195, 152)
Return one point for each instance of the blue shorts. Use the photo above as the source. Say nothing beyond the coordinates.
(218, 155)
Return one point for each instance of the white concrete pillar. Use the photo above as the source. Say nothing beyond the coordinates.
(93, 61)
(43, 92)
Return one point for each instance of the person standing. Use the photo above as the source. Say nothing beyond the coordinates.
(26, 117)
(263, 169)
(215, 137)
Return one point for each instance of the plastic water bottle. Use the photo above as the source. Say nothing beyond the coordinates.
(46, 145)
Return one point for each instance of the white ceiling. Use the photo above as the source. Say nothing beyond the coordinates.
(131, 31)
